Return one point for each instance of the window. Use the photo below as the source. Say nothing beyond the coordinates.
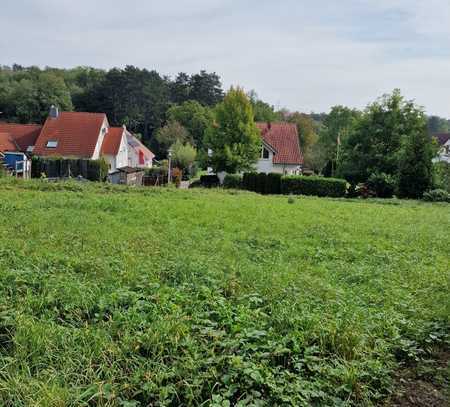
(52, 144)
(265, 153)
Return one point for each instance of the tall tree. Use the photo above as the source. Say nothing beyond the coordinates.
(262, 111)
(168, 135)
(436, 124)
(180, 88)
(235, 139)
(374, 146)
(194, 117)
(206, 88)
(415, 165)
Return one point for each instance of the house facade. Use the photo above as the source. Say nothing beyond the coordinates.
(280, 149)
(77, 135)
(443, 141)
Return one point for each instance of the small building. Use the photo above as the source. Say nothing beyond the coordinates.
(280, 149)
(127, 176)
(443, 141)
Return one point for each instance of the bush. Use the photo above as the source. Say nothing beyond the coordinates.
(383, 185)
(441, 176)
(437, 195)
(262, 183)
(273, 183)
(210, 181)
(57, 167)
(317, 186)
(250, 181)
(232, 181)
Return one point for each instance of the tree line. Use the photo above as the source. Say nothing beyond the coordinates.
(185, 112)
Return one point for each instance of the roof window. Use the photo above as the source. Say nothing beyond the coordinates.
(52, 144)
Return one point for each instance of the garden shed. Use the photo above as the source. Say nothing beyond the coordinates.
(127, 176)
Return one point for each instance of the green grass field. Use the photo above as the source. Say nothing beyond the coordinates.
(115, 297)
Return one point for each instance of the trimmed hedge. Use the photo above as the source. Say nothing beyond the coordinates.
(52, 167)
(232, 181)
(262, 183)
(316, 186)
(210, 181)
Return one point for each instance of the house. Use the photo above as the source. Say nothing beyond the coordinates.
(280, 151)
(79, 135)
(16, 142)
(443, 141)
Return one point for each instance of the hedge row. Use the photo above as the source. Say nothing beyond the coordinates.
(298, 185)
(269, 184)
(316, 186)
(93, 170)
(209, 181)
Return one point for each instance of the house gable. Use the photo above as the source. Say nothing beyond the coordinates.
(72, 134)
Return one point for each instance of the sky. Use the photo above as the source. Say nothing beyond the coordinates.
(296, 54)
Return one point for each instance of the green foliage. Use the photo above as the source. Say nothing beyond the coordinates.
(194, 117)
(170, 134)
(232, 181)
(235, 298)
(234, 139)
(375, 144)
(441, 175)
(316, 186)
(383, 185)
(57, 167)
(436, 124)
(336, 127)
(183, 155)
(209, 181)
(262, 111)
(262, 183)
(415, 166)
(437, 195)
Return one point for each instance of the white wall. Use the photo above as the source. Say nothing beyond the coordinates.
(101, 137)
(444, 153)
(122, 155)
(265, 164)
(288, 169)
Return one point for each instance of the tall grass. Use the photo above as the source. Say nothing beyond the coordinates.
(120, 297)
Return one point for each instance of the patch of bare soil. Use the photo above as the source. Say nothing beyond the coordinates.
(427, 384)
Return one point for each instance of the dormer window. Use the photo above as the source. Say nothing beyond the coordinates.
(265, 153)
(52, 144)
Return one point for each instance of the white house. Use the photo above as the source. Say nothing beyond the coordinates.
(280, 150)
(89, 135)
(444, 143)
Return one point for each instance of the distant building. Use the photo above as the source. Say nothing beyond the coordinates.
(77, 135)
(280, 149)
(443, 141)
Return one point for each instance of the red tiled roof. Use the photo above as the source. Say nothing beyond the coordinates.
(112, 140)
(283, 137)
(76, 134)
(442, 138)
(7, 143)
(22, 135)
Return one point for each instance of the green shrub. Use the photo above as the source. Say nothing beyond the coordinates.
(210, 181)
(383, 185)
(250, 181)
(57, 167)
(273, 183)
(261, 183)
(436, 195)
(317, 186)
(232, 181)
(441, 176)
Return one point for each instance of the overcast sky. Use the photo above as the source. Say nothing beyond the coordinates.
(299, 54)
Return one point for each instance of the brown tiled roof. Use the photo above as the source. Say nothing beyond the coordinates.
(7, 143)
(283, 137)
(112, 140)
(22, 135)
(442, 138)
(76, 134)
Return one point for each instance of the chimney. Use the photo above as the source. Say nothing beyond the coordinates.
(54, 112)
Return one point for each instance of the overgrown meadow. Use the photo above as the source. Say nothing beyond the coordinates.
(119, 297)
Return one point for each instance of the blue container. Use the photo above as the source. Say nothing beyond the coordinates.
(11, 159)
